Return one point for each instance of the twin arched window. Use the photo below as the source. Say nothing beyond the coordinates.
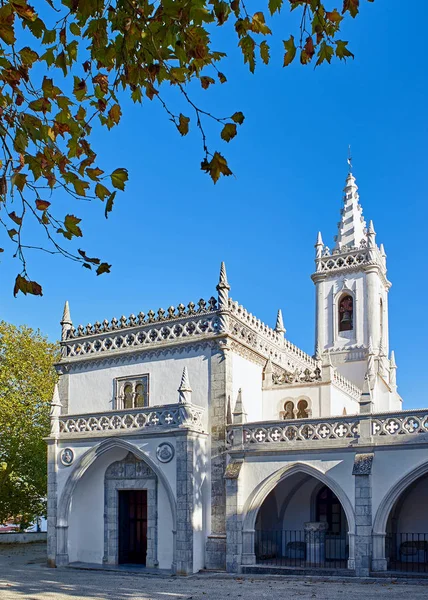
(132, 392)
(300, 412)
(346, 313)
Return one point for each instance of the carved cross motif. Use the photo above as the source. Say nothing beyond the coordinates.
(169, 419)
(341, 430)
(276, 435)
(392, 427)
(324, 431)
(155, 419)
(260, 436)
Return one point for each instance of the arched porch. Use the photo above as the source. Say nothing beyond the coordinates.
(299, 517)
(87, 522)
(400, 529)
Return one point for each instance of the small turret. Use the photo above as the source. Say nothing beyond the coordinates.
(279, 327)
(319, 246)
(239, 414)
(223, 288)
(66, 322)
(185, 391)
(55, 411)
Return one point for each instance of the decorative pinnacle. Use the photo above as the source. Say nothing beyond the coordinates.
(382, 250)
(185, 383)
(55, 411)
(66, 318)
(222, 282)
(370, 230)
(279, 327)
(239, 414)
(319, 240)
(392, 362)
(318, 353)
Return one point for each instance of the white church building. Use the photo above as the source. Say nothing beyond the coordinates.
(198, 437)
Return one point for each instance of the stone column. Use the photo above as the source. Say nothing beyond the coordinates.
(363, 514)
(315, 542)
(221, 389)
(233, 517)
(185, 504)
(52, 503)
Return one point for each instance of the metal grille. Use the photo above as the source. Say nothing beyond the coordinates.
(284, 548)
(407, 552)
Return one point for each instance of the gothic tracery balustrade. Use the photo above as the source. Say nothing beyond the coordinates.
(400, 423)
(171, 415)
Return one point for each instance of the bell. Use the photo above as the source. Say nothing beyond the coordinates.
(346, 317)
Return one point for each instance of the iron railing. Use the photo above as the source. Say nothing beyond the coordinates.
(407, 552)
(294, 548)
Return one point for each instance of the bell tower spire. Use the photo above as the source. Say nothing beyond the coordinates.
(352, 292)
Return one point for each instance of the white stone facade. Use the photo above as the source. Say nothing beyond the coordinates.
(247, 451)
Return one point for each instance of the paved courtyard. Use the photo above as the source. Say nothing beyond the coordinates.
(23, 575)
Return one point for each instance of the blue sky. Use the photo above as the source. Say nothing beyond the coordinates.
(171, 228)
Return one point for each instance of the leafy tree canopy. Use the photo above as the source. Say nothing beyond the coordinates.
(27, 380)
(63, 65)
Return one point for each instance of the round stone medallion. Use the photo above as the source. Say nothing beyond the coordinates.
(67, 457)
(165, 452)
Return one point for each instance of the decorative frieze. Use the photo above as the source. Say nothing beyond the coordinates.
(147, 335)
(167, 416)
(401, 423)
(304, 430)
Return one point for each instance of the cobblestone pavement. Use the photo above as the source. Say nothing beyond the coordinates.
(23, 575)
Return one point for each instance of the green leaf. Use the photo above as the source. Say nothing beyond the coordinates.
(7, 33)
(216, 166)
(342, 51)
(28, 56)
(26, 287)
(119, 177)
(74, 28)
(101, 191)
(19, 180)
(79, 88)
(258, 24)
(247, 45)
(94, 173)
(274, 6)
(71, 225)
(228, 132)
(325, 53)
(183, 124)
(264, 52)
(351, 6)
(290, 51)
(238, 117)
(109, 204)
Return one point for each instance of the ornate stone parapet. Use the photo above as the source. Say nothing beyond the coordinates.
(145, 419)
(158, 332)
(385, 428)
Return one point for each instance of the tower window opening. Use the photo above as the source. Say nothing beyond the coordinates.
(346, 313)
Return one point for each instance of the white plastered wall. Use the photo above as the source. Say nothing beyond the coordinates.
(92, 390)
(86, 517)
(247, 376)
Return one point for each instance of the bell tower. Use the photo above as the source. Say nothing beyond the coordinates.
(352, 297)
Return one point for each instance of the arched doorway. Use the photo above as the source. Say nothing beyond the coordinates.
(301, 523)
(406, 540)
